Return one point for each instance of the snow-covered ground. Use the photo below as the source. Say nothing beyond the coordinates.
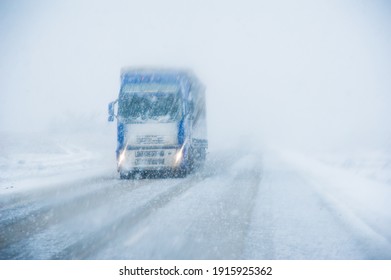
(358, 203)
(29, 160)
(61, 198)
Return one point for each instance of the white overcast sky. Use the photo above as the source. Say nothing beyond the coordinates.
(296, 73)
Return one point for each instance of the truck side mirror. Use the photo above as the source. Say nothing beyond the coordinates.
(111, 110)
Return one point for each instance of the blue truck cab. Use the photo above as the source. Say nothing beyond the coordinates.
(161, 122)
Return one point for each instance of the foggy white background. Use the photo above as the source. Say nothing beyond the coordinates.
(301, 74)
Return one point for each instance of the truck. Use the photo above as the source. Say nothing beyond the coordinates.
(161, 122)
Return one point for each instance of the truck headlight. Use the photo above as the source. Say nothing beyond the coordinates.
(121, 157)
(179, 156)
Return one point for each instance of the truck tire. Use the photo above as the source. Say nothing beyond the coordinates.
(123, 175)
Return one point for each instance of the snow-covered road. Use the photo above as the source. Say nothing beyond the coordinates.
(243, 205)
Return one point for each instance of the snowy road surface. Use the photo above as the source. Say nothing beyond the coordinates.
(240, 206)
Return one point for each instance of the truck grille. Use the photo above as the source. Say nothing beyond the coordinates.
(150, 140)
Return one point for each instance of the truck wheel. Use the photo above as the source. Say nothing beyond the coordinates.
(126, 175)
(181, 172)
(123, 176)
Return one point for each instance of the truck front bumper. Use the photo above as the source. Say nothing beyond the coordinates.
(144, 159)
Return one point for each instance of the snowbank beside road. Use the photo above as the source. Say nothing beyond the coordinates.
(30, 160)
(365, 199)
(374, 165)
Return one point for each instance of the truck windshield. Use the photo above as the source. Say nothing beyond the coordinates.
(156, 106)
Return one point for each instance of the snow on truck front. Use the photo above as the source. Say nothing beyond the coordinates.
(150, 125)
(161, 124)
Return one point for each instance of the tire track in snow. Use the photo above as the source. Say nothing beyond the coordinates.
(372, 243)
(19, 203)
(33, 220)
(92, 243)
(209, 221)
(233, 218)
(295, 219)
